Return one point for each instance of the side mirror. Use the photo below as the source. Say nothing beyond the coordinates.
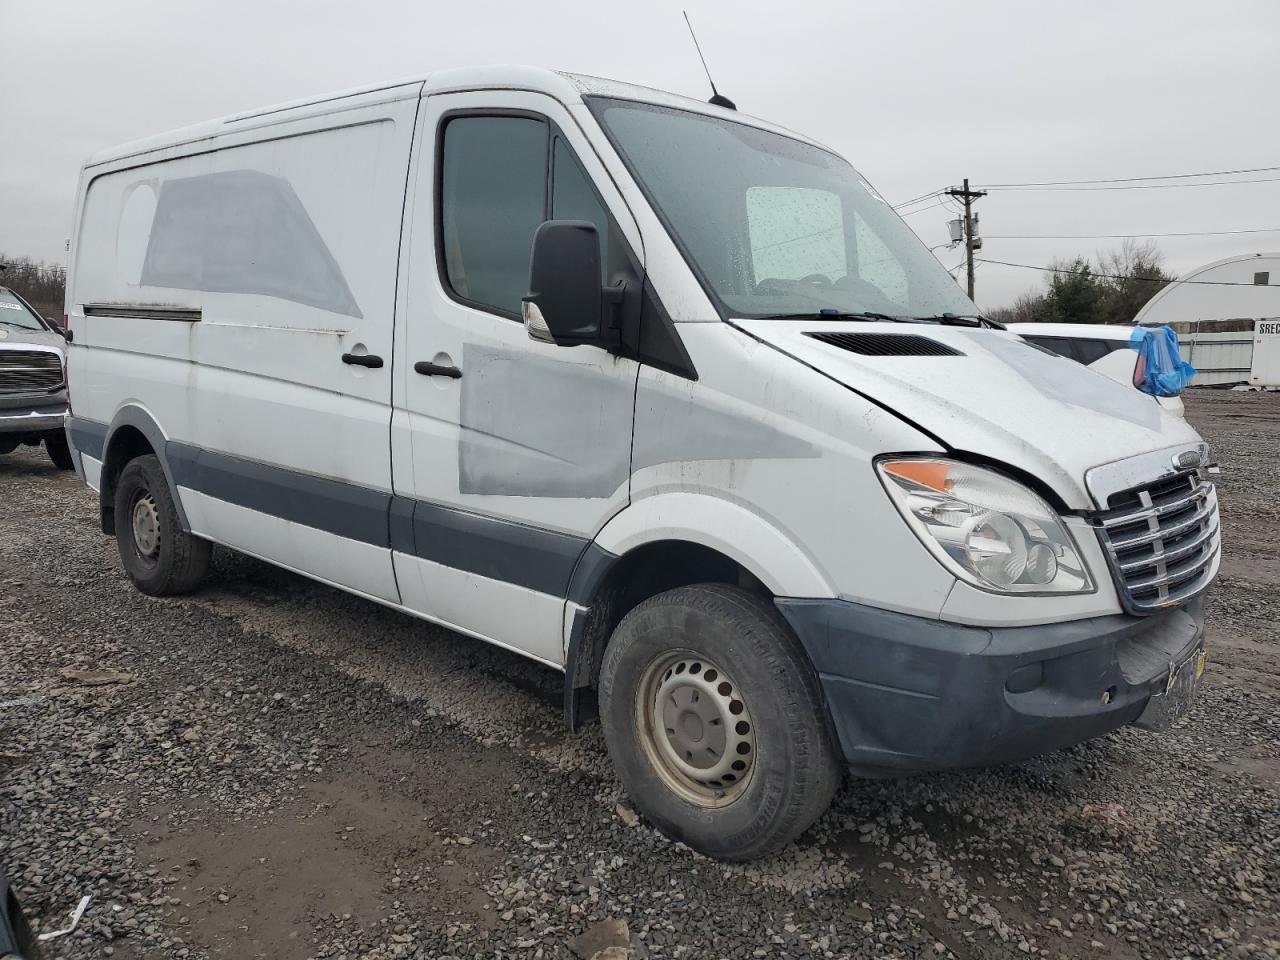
(566, 301)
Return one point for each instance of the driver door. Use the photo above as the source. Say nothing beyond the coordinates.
(509, 454)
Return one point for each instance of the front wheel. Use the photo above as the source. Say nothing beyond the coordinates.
(716, 723)
(159, 556)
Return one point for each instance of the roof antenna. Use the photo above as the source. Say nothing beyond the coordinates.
(716, 98)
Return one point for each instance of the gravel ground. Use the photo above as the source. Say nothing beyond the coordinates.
(272, 768)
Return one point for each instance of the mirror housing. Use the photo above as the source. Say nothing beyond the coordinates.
(566, 304)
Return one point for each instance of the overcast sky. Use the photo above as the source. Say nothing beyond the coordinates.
(916, 94)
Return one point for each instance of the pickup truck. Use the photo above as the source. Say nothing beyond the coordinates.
(33, 382)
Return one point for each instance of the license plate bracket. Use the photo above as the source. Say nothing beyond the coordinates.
(1166, 707)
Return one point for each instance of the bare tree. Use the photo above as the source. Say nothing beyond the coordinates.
(1076, 292)
(42, 284)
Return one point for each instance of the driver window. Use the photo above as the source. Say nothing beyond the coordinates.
(493, 187)
(877, 265)
(795, 232)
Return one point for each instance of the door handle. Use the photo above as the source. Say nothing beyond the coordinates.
(362, 360)
(436, 370)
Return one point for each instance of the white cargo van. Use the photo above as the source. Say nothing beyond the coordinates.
(659, 395)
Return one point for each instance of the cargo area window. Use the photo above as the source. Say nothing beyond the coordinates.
(242, 231)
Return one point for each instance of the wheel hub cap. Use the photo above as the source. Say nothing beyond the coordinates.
(698, 731)
(146, 526)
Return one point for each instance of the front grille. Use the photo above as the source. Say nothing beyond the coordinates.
(29, 371)
(1161, 540)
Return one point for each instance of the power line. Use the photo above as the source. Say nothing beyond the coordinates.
(1171, 176)
(1036, 184)
(912, 213)
(1138, 186)
(1119, 276)
(923, 196)
(1125, 236)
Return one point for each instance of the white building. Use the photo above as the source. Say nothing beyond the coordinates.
(1227, 319)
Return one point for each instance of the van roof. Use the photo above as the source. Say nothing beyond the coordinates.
(566, 87)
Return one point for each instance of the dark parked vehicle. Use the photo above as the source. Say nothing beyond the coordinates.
(33, 383)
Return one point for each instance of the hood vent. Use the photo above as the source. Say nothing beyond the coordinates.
(887, 344)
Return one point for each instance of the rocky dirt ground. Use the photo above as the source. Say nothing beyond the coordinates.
(271, 768)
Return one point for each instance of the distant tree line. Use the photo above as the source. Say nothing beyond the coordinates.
(42, 284)
(1112, 292)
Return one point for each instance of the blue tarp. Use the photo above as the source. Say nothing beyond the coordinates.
(1161, 370)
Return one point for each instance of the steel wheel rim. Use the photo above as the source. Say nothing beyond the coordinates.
(145, 522)
(696, 729)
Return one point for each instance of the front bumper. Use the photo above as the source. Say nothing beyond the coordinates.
(37, 419)
(909, 694)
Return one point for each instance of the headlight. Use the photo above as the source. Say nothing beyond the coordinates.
(988, 530)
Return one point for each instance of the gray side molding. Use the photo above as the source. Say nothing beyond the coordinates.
(87, 436)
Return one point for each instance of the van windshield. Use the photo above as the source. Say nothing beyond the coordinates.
(772, 226)
(14, 313)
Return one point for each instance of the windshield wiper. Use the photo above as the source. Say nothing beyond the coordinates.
(832, 314)
(961, 320)
(19, 326)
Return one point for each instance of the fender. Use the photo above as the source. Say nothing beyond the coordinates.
(730, 530)
(722, 525)
(137, 417)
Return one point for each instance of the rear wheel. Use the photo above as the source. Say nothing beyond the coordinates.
(159, 556)
(55, 444)
(715, 721)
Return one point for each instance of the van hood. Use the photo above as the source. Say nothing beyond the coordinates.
(997, 397)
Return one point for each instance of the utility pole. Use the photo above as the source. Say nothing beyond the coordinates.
(972, 241)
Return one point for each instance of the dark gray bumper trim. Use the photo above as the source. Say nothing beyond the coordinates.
(907, 693)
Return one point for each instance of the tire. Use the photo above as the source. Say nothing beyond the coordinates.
(169, 560)
(757, 700)
(55, 444)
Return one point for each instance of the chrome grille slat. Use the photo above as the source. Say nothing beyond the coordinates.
(1186, 591)
(1161, 541)
(29, 371)
(1172, 556)
(1122, 543)
(1158, 510)
(1148, 583)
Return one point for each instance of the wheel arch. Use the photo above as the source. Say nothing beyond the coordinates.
(133, 433)
(649, 549)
